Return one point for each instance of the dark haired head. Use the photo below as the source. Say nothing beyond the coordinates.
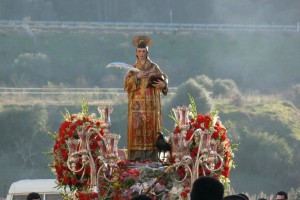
(33, 195)
(243, 195)
(261, 199)
(234, 197)
(207, 188)
(282, 193)
(141, 197)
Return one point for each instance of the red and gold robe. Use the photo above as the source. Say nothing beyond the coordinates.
(144, 110)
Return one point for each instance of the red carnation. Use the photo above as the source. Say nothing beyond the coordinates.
(67, 180)
(207, 121)
(200, 119)
(184, 194)
(189, 134)
(177, 130)
(194, 152)
(94, 195)
(64, 154)
(215, 135)
(79, 122)
(196, 126)
(227, 153)
(223, 136)
(226, 171)
(85, 182)
(69, 133)
(74, 181)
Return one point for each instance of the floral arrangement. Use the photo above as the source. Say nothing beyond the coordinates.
(134, 180)
(128, 185)
(219, 139)
(69, 129)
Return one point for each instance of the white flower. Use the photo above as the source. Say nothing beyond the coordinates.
(175, 193)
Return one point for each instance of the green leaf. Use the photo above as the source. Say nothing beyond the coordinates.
(67, 115)
(172, 116)
(193, 112)
(85, 107)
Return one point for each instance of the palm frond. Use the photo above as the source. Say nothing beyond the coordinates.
(120, 65)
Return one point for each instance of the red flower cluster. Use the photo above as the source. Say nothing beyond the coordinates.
(205, 122)
(69, 130)
(86, 196)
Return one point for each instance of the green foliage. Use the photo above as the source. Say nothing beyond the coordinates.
(78, 58)
(294, 95)
(172, 116)
(193, 107)
(186, 90)
(33, 67)
(267, 148)
(266, 155)
(198, 92)
(267, 134)
(84, 107)
(205, 81)
(23, 142)
(225, 88)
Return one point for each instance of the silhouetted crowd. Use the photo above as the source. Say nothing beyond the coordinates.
(208, 188)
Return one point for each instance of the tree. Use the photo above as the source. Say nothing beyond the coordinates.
(205, 81)
(198, 92)
(225, 88)
(261, 154)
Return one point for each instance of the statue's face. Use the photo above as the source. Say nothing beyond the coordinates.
(141, 53)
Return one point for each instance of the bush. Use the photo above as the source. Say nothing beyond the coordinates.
(32, 69)
(261, 154)
(205, 81)
(294, 95)
(225, 88)
(198, 92)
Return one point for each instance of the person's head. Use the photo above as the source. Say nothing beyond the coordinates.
(142, 43)
(33, 196)
(261, 199)
(244, 195)
(234, 197)
(141, 197)
(281, 195)
(207, 188)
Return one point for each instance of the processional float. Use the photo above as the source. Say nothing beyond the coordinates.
(101, 164)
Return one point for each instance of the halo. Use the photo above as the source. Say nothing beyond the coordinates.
(137, 39)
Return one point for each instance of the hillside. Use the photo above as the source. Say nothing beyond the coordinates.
(78, 58)
(265, 128)
(267, 131)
